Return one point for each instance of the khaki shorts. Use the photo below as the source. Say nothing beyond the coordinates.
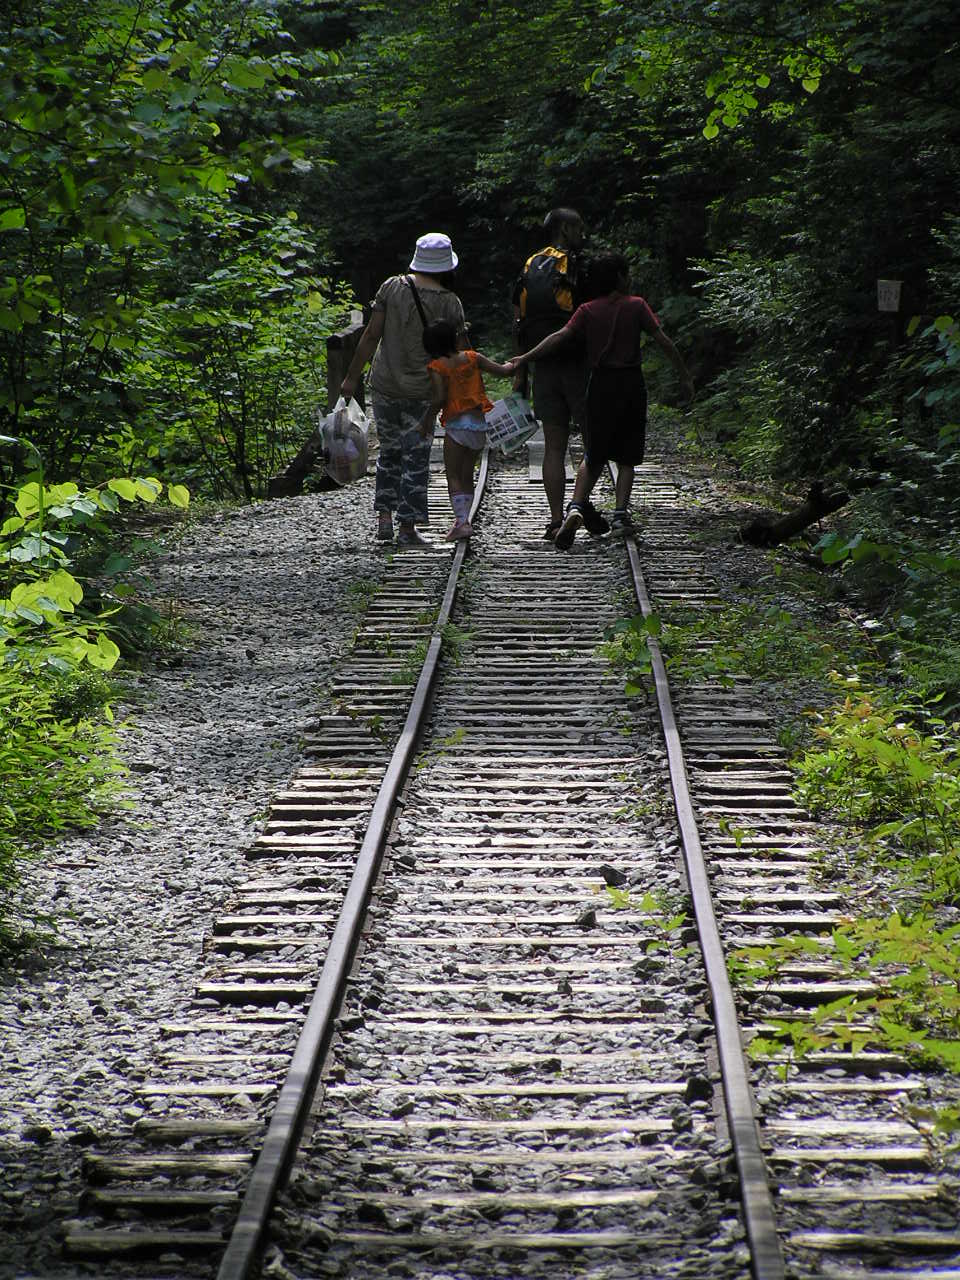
(559, 392)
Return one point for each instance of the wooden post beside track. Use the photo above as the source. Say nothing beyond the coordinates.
(340, 349)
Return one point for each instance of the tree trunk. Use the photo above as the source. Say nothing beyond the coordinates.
(770, 532)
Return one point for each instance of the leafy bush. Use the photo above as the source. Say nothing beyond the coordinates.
(113, 130)
(893, 771)
(44, 620)
(910, 1003)
(57, 747)
(232, 361)
(59, 771)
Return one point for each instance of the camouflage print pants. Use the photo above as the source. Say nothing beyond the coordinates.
(403, 463)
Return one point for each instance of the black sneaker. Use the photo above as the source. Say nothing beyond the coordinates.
(550, 532)
(568, 530)
(622, 524)
(593, 521)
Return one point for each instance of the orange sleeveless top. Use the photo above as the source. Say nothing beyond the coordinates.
(465, 389)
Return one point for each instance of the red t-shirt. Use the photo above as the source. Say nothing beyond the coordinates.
(613, 329)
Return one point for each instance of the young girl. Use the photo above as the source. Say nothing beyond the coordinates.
(460, 398)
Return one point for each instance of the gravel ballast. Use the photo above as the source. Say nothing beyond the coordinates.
(209, 739)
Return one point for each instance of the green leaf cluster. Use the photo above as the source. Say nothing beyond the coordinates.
(909, 1005)
(59, 771)
(626, 647)
(58, 762)
(123, 143)
(43, 619)
(893, 770)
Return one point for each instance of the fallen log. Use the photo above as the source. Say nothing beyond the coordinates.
(769, 531)
(290, 481)
(340, 349)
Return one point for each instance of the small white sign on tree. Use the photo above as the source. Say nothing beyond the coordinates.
(888, 295)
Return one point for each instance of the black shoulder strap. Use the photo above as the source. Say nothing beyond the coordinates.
(416, 298)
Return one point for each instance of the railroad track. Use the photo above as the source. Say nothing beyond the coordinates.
(860, 1189)
(530, 1072)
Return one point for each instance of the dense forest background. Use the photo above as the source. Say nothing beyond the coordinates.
(193, 195)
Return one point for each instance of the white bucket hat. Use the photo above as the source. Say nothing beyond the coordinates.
(434, 254)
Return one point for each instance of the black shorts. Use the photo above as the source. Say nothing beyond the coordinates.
(616, 417)
(558, 390)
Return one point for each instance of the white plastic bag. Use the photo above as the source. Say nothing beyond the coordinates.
(344, 433)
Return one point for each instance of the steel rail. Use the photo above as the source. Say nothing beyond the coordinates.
(759, 1217)
(242, 1253)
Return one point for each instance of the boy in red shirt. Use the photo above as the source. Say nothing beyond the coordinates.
(612, 327)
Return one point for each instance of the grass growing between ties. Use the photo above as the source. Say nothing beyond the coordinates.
(665, 913)
(889, 769)
(444, 747)
(868, 715)
(360, 594)
(453, 640)
(409, 672)
(758, 639)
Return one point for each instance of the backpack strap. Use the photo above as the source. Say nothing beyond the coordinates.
(416, 298)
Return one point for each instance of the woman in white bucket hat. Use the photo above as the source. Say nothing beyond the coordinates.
(400, 390)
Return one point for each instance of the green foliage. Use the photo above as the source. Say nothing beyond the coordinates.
(120, 147)
(905, 558)
(81, 695)
(57, 629)
(809, 375)
(45, 620)
(453, 642)
(909, 1005)
(361, 593)
(58, 768)
(752, 57)
(897, 547)
(894, 771)
(753, 638)
(409, 672)
(232, 357)
(626, 648)
(433, 755)
(666, 914)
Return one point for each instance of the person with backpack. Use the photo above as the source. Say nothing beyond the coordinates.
(612, 328)
(546, 295)
(400, 387)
